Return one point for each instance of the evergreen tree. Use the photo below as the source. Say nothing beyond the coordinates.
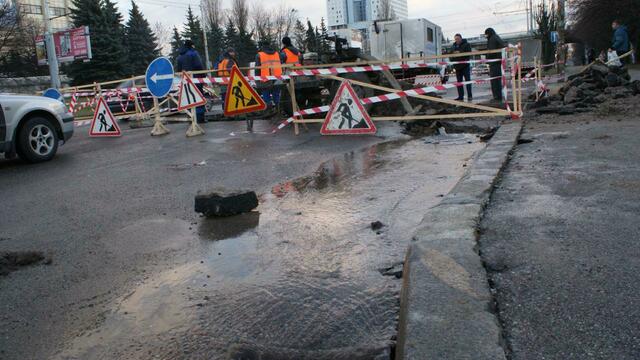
(299, 36)
(323, 42)
(216, 38)
(193, 31)
(245, 48)
(230, 35)
(141, 43)
(107, 37)
(176, 44)
(310, 40)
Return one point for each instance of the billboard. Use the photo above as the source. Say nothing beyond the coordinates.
(72, 44)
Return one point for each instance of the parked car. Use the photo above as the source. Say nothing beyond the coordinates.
(33, 126)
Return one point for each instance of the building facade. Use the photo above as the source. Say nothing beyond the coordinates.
(358, 14)
(58, 12)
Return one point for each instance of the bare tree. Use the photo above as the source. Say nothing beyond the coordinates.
(261, 22)
(284, 20)
(385, 11)
(164, 36)
(213, 12)
(9, 23)
(240, 15)
(592, 20)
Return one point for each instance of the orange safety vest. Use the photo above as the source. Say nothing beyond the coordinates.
(270, 60)
(222, 68)
(292, 58)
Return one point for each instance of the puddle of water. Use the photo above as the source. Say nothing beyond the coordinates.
(299, 280)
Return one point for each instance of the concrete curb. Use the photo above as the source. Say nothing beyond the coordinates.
(446, 305)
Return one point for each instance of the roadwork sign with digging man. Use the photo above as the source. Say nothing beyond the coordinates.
(347, 116)
(241, 97)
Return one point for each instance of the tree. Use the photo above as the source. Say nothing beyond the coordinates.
(547, 19)
(385, 11)
(109, 60)
(593, 18)
(213, 17)
(17, 43)
(163, 34)
(311, 40)
(176, 45)
(299, 36)
(193, 31)
(141, 42)
(323, 43)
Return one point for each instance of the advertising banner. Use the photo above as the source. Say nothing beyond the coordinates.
(72, 44)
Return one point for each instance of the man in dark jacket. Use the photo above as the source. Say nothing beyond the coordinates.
(494, 42)
(463, 71)
(189, 60)
(620, 41)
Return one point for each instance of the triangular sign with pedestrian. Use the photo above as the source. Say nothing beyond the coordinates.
(346, 115)
(189, 95)
(241, 98)
(104, 124)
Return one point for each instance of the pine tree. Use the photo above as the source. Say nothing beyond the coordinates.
(176, 44)
(230, 35)
(141, 43)
(299, 36)
(107, 42)
(323, 42)
(245, 48)
(311, 38)
(193, 31)
(216, 38)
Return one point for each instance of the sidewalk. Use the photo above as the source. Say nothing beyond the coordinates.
(561, 239)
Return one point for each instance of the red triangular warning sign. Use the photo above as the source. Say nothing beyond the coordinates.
(189, 95)
(347, 116)
(103, 123)
(241, 98)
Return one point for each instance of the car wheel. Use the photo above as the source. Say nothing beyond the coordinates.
(37, 140)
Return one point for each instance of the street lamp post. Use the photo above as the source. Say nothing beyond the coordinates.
(51, 47)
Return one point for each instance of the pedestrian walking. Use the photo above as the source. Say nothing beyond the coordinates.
(620, 43)
(189, 60)
(463, 71)
(269, 61)
(494, 42)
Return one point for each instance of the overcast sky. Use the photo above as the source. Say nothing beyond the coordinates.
(468, 17)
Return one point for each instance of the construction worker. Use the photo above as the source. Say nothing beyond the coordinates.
(463, 71)
(224, 67)
(269, 61)
(620, 42)
(291, 55)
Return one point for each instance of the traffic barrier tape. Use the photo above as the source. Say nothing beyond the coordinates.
(385, 97)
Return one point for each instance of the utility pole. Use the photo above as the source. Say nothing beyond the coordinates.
(51, 47)
(204, 35)
(531, 17)
(561, 33)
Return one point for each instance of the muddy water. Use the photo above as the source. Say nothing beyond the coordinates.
(299, 279)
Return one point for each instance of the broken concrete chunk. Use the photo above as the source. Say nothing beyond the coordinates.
(226, 203)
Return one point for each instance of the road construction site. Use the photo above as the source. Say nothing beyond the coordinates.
(362, 247)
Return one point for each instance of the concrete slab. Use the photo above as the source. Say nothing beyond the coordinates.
(446, 305)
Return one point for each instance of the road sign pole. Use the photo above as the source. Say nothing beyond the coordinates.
(51, 47)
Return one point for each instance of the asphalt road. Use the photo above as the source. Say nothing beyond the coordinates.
(560, 239)
(111, 212)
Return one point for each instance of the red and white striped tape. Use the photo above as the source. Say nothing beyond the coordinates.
(385, 97)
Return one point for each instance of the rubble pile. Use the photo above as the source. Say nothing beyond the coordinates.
(583, 92)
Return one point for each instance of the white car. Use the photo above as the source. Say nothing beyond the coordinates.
(33, 126)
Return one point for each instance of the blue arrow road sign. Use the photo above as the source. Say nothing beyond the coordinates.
(159, 77)
(54, 94)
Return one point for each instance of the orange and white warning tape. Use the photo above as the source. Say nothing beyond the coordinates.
(385, 97)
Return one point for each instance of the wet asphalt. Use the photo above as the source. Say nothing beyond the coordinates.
(135, 273)
(560, 240)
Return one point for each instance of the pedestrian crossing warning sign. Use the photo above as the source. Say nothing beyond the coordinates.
(189, 95)
(104, 124)
(346, 115)
(241, 98)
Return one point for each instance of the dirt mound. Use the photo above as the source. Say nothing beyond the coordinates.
(585, 91)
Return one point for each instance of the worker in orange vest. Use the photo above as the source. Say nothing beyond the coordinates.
(224, 67)
(269, 62)
(292, 56)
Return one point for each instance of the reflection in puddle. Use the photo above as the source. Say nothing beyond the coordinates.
(299, 280)
(228, 227)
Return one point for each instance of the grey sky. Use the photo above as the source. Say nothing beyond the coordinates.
(468, 17)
